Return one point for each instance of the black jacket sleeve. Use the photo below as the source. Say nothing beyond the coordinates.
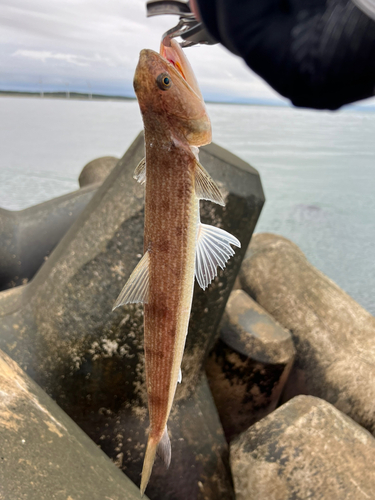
(318, 53)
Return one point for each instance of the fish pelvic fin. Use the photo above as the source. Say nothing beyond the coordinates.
(205, 187)
(136, 288)
(163, 449)
(213, 250)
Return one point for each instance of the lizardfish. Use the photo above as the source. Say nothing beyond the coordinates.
(177, 247)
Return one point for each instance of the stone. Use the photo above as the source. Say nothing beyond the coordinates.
(305, 449)
(61, 330)
(333, 335)
(27, 237)
(44, 454)
(96, 171)
(249, 364)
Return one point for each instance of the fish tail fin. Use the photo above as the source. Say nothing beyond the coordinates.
(163, 448)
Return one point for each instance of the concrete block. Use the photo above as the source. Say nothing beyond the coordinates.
(249, 364)
(305, 449)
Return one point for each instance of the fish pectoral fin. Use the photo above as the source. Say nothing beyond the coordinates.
(205, 186)
(213, 249)
(164, 448)
(140, 172)
(136, 288)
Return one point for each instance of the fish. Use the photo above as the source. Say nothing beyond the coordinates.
(177, 247)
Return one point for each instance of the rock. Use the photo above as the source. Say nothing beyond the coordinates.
(305, 449)
(61, 330)
(333, 335)
(96, 171)
(249, 364)
(44, 454)
(27, 237)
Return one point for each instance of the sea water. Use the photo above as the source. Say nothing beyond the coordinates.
(317, 169)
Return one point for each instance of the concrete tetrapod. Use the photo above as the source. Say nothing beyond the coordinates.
(44, 454)
(304, 449)
(27, 237)
(333, 335)
(96, 171)
(249, 364)
(60, 329)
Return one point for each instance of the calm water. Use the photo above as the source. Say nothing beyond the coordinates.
(317, 169)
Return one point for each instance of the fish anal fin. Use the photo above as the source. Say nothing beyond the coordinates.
(140, 172)
(164, 448)
(213, 250)
(205, 187)
(136, 288)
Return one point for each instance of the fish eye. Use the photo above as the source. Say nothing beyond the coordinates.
(164, 81)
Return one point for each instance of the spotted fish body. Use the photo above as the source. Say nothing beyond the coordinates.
(177, 247)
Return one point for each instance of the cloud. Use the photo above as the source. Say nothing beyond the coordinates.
(44, 56)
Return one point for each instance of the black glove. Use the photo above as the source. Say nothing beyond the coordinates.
(319, 54)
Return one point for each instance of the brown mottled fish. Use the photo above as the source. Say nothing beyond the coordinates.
(177, 247)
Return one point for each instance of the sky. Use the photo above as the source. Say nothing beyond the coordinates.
(93, 46)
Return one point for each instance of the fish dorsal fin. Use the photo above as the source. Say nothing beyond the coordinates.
(205, 186)
(136, 288)
(140, 172)
(213, 249)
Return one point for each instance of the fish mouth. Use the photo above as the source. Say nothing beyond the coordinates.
(171, 51)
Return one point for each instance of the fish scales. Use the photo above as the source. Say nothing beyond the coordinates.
(170, 235)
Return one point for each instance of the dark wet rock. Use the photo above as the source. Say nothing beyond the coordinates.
(96, 171)
(249, 364)
(305, 449)
(44, 454)
(333, 335)
(27, 237)
(61, 330)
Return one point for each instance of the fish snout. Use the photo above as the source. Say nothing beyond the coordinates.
(145, 54)
(148, 58)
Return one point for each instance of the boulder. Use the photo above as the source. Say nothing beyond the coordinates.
(96, 171)
(61, 329)
(249, 364)
(305, 449)
(27, 237)
(44, 454)
(333, 335)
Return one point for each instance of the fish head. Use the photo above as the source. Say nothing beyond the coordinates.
(165, 86)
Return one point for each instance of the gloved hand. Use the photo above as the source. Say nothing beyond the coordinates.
(318, 53)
